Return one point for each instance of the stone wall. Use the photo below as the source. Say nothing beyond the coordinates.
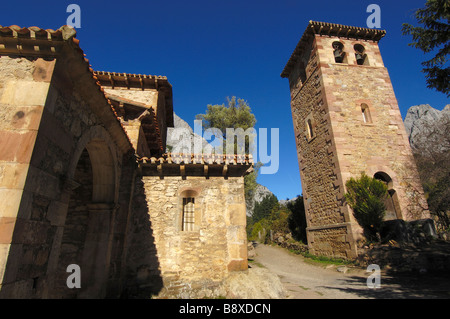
(24, 224)
(47, 124)
(380, 145)
(161, 254)
(334, 142)
(318, 162)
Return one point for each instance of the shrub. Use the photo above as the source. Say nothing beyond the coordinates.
(366, 196)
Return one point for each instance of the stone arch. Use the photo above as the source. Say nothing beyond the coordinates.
(340, 55)
(391, 202)
(360, 54)
(92, 193)
(103, 155)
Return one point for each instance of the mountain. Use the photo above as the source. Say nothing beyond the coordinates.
(286, 201)
(260, 192)
(427, 127)
(180, 138)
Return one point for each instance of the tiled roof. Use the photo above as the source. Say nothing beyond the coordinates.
(130, 75)
(176, 158)
(330, 29)
(197, 165)
(37, 42)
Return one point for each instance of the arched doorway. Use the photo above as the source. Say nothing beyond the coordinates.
(87, 235)
(391, 203)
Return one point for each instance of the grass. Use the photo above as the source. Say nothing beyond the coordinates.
(326, 260)
(322, 260)
(252, 262)
(304, 288)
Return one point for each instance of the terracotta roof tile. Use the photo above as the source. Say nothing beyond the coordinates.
(178, 158)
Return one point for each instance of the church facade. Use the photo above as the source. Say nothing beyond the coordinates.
(85, 181)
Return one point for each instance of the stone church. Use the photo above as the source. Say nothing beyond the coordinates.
(347, 121)
(85, 181)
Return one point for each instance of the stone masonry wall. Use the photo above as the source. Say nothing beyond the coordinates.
(380, 145)
(329, 96)
(24, 225)
(172, 259)
(46, 124)
(318, 165)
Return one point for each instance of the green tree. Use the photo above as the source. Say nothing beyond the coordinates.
(433, 36)
(366, 196)
(297, 219)
(264, 208)
(236, 114)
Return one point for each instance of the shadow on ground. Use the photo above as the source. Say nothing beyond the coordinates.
(400, 286)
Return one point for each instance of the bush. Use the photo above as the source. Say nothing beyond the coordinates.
(366, 196)
(297, 219)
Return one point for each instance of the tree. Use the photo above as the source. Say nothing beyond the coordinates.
(237, 114)
(366, 196)
(297, 219)
(432, 155)
(264, 208)
(434, 35)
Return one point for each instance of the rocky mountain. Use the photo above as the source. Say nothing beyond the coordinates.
(181, 137)
(285, 202)
(427, 126)
(260, 193)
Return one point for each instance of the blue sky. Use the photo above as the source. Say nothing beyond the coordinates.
(211, 50)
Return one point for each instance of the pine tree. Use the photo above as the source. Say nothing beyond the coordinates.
(434, 35)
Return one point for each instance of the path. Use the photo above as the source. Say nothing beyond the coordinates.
(303, 280)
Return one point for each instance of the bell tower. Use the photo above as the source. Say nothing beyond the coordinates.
(347, 121)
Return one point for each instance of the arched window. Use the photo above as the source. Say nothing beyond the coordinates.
(367, 118)
(188, 213)
(361, 57)
(339, 54)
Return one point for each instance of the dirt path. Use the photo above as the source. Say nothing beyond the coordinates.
(303, 280)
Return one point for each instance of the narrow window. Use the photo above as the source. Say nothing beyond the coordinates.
(366, 113)
(361, 57)
(310, 129)
(339, 54)
(188, 214)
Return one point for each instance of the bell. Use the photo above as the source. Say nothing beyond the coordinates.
(338, 56)
(360, 58)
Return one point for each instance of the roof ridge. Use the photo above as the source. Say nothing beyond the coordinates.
(145, 76)
(64, 33)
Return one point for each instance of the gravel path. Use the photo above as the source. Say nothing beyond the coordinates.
(303, 280)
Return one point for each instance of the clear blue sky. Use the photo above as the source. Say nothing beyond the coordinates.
(210, 50)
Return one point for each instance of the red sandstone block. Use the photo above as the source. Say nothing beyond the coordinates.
(17, 146)
(7, 225)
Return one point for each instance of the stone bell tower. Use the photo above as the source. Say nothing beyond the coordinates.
(347, 121)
